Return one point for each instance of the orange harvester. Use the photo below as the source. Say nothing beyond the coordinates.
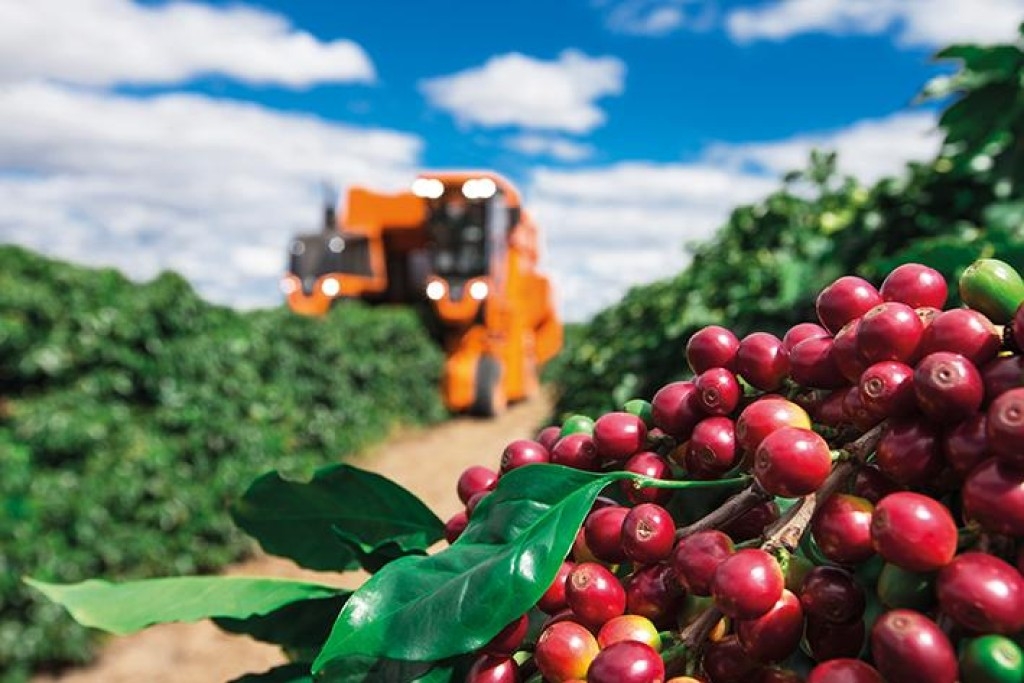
(459, 242)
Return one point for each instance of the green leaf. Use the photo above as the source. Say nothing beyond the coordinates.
(371, 558)
(297, 519)
(127, 607)
(430, 608)
(300, 625)
(297, 672)
(363, 669)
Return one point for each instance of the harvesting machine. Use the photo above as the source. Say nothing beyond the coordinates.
(459, 244)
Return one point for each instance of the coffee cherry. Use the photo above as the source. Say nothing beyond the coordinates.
(1004, 428)
(799, 332)
(966, 444)
(653, 592)
(792, 462)
(856, 413)
(890, 331)
(619, 435)
(847, 298)
(832, 594)
(915, 284)
(711, 347)
(776, 634)
(629, 627)
(909, 452)
(697, 556)
(577, 451)
(872, 484)
(493, 669)
(553, 599)
(564, 652)
(993, 496)
(845, 352)
(913, 531)
(547, 436)
(1002, 374)
(455, 525)
(509, 639)
(602, 531)
(982, 593)
(887, 389)
(910, 648)
(826, 640)
(762, 361)
(991, 659)
(752, 523)
(718, 392)
(648, 534)
(523, 452)
(653, 466)
(725, 661)
(830, 411)
(675, 409)
(764, 416)
(842, 529)
(594, 594)
(747, 584)
(474, 500)
(577, 424)
(773, 674)
(476, 479)
(812, 363)
(963, 331)
(844, 670)
(712, 447)
(948, 387)
(627, 662)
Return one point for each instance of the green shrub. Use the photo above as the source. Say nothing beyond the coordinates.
(132, 416)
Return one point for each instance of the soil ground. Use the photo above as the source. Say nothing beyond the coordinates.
(427, 462)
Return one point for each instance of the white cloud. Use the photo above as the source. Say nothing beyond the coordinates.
(108, 42)
(608, 228)
(210, 188)
(656, 18)
(916, 22)
(563, 149)
(518, 90)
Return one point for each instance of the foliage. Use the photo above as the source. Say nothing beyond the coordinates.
(763, 267)
(131, 415)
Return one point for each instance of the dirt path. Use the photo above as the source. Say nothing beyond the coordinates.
(426, 462)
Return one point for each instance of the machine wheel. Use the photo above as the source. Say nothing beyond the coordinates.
(489, 399)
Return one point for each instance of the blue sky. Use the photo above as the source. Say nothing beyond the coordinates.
(194, 136)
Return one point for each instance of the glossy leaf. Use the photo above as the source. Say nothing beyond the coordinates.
(429, 608)
(363, 669)
(127, 607)
(297, 519)
(300, 625)
(372, 557)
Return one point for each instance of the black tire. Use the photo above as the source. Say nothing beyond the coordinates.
(489, 396)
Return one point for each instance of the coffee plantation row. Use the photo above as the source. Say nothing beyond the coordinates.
(132, 415)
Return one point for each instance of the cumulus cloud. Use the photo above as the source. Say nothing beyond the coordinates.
(210, 188)
(110, 42)
(518, 90)
(916, 22)
(563, 149)
(612, 227)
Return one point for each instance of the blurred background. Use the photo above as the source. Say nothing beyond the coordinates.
(690, 162)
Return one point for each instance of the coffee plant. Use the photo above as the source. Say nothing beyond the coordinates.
(763, 268)
(131, 415)
(841, 502)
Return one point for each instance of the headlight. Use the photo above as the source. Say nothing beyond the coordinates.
(436, 290)
(288, 286)
(428, 188)
(330, 286)
(336, 244)
(297, 247)
(478, 290)
(479, 188)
